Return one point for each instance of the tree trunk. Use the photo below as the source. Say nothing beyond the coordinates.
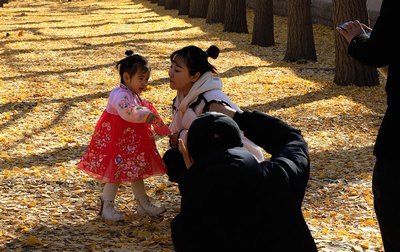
(161, 2)
(300, 41)
(216, 10)
(263, 28)
(348, 71)
(198, 8)
(171, 4)
(184, 7)
(235, 16)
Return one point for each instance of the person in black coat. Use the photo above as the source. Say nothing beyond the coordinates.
(378, 50)
(231, 202)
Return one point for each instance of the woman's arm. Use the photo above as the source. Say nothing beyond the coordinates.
(378, 49)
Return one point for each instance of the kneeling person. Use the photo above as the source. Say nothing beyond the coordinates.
(231, 202)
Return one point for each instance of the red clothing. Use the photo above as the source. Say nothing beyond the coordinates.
(125, 151)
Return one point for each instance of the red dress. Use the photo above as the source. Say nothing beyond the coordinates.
(121, 150)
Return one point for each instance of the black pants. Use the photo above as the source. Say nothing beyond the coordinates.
(173, 159)
(386, 189)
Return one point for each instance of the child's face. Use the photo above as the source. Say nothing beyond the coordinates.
(137, 82)
(179, 76)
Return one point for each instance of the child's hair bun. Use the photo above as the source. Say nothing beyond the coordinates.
(128, 52)
(213, 52)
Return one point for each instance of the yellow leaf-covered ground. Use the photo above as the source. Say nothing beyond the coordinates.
(57, 68)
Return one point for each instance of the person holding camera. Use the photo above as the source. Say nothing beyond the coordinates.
(232, 202)
(378, 50)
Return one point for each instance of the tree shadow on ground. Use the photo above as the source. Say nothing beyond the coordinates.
(337, 165)
(62, 71)
(324, 94)
(24, 108)
(46, 159)
(56, 156)
(93, 46)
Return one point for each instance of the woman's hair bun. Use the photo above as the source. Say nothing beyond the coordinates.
(213, 52)
(128, 52)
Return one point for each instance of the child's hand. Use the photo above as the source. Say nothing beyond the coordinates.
(162, 131)
(159, 127)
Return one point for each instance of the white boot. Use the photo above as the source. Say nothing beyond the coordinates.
(144, 206)
(108, 212)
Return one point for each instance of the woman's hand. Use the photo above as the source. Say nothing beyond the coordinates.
(351, 29)
(366, 28)
(186, 156)
(173, 140)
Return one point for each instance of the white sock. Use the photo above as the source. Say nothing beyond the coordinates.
(110, 191)
(138, 189)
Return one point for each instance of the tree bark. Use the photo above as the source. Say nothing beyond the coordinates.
(171, 4)
(198, 8)
(348, 71)
(300, 41)
(235, 16)
(216, 10)
(184, 7)
(263, 28)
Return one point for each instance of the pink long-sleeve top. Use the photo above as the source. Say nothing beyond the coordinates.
(128, 106)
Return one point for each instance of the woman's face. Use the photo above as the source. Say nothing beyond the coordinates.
(179, 76)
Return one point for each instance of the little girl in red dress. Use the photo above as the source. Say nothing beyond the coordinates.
(122, 148)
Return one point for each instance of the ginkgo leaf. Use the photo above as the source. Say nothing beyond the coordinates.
(33, 241)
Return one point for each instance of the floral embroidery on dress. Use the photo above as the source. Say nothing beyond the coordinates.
(118, 160)
(128, 107)
(135, 163)
(122, 151)
(102, 138)
(124, 103)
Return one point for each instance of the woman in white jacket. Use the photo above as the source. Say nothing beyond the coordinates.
(192, 76)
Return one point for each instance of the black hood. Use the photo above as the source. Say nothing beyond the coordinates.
(212, 132)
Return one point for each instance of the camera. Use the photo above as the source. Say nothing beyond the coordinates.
(342, 25)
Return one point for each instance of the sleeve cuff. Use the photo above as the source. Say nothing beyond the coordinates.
(149, 117)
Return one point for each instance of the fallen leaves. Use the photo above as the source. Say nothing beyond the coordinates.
(57, 68)
(33, 241)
